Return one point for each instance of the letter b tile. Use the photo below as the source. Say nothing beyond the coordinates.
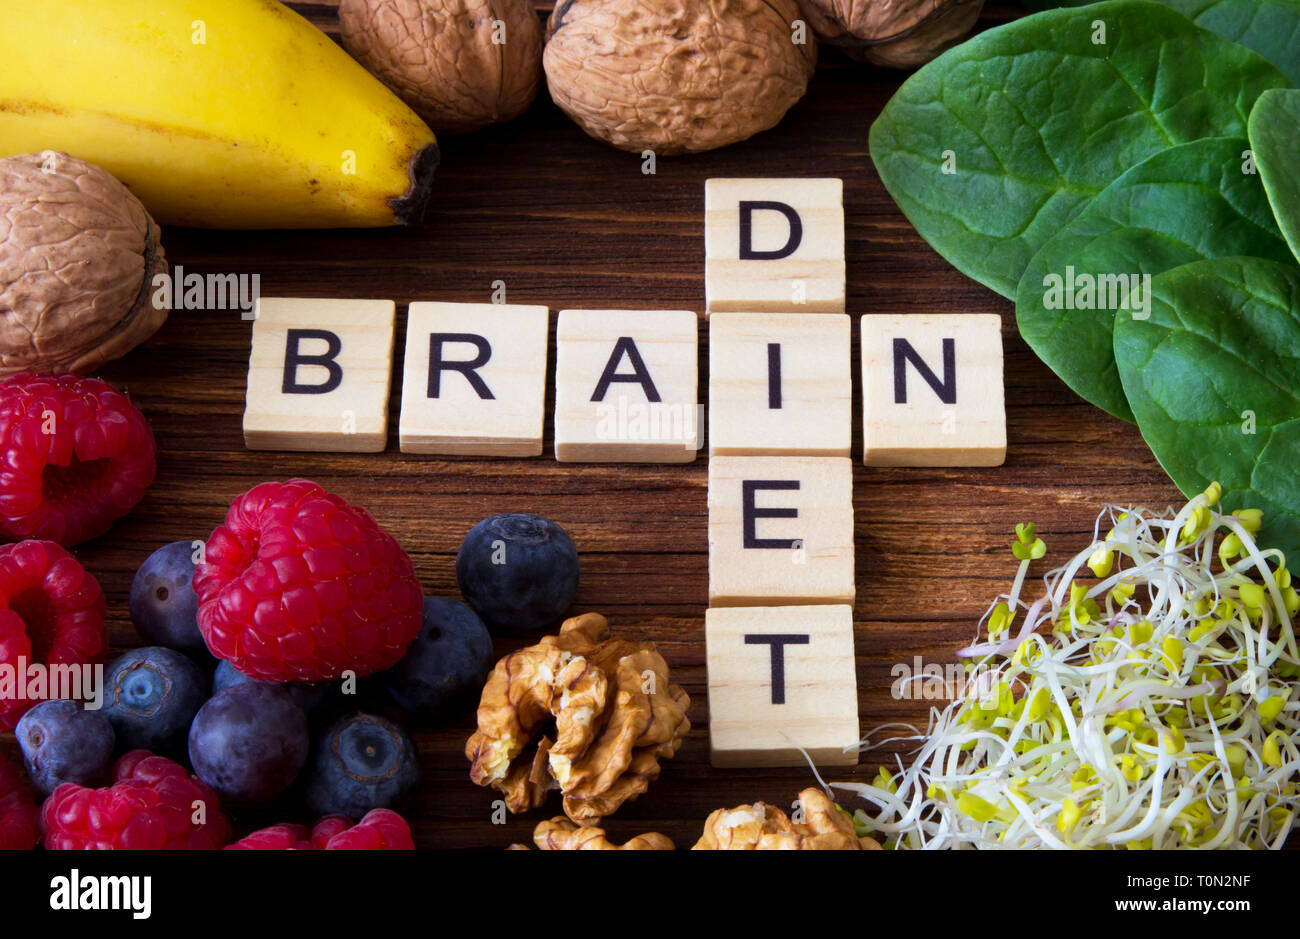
(774, 245)
(780, 530)
(318, 375)
(781, 678)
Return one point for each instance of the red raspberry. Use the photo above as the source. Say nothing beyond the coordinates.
(298, 585)
(51, 613)
(283, 837)
(75, 456)
(151, 806)
(18, 814)
(380, 830)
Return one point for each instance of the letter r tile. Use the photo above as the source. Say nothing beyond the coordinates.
(780, 530)
(474, 379)
(318, 375)
(781, 678)
(774, 245)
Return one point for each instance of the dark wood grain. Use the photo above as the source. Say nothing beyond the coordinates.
(568, 222)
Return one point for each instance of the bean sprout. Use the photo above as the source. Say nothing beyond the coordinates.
(1153, 706)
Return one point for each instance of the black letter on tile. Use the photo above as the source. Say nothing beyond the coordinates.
(437, 364)
(778, 642)
(747, 251)
(945, 389)
(626, 346)
(751, 513)
(774, 376)
(294, 359)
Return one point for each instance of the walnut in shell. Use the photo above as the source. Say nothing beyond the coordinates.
(459, 64)
(763, 827)
(78, 254)
(895, 33)
(676, 76)
(579, 712)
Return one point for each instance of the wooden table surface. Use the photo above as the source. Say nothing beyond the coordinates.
(569, 222)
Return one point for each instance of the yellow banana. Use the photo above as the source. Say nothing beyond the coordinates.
(216, 113)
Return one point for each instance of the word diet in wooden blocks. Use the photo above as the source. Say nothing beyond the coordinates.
(318, 375)
(932, 390)
(780, 383)
(781, 678)
(774, 245)
(780, 530)
(474, 381)
(626, 386)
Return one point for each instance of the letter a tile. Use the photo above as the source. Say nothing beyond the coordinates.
(774, 245)
(932, 390)
(474, 381)
(626, 386)
(780, 679)
(318, 375)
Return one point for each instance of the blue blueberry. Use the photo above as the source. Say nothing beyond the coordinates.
(164, 607)
(447, 664)
(249, 742)
(64, 743)
(150, 697)
(307, 695)
(519, 572)
(362, 762)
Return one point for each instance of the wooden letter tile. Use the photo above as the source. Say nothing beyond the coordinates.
(626, 386)
(318, 375)
(780, 678)
(474, 381)
(774, 245)
(779, 383)
(780, 530)
(932, 390)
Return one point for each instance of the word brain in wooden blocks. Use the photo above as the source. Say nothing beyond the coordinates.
(774, 245)
(780, 383)
(318, 375)
(781, 678)
(932, 390)
(474, 381)
(780, 530)
(626, 386)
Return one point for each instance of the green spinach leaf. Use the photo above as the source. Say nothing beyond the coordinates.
(996, 144)
(1188, 203)
(1275, 139)
(1214, 379)
(1270, 27)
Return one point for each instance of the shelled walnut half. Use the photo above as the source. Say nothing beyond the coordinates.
(579, 712)
(560, 834)
(763, 827)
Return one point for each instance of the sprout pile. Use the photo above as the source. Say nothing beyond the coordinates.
(1151, 706)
